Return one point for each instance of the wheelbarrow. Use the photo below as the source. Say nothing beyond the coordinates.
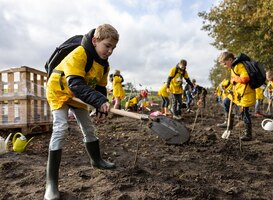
(169, 130)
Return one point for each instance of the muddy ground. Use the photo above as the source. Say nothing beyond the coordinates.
(207, 167)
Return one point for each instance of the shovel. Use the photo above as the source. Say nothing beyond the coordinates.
(171, 131)
(226, 134)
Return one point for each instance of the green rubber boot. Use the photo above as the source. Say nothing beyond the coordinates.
(247, 133)
(93, 150)
(52, 175)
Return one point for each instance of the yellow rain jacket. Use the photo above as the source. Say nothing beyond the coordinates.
(163, 91)
(218, 91)
(131, 102)
(177, 75)
(259, 93)
(58, 92)
(117, 87)
(243, 94)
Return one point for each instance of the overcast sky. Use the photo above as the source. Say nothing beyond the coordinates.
(154, 35)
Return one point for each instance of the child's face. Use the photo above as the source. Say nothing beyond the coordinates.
(183, 67)
(270, 78)
(227, 63)
(104, 48)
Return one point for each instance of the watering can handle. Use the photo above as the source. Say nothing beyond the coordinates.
(15, 136)
(265, 120)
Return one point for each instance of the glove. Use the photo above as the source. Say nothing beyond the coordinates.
(230, 92)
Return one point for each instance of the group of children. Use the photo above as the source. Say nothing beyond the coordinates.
(139, 102)
(173, 87)
(189, 94)
(136, 103)
(90, 87)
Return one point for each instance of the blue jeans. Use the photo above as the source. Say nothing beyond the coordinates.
(60, 126)
(189, 99)
(225, 104)
(258, 105)
(244, 113)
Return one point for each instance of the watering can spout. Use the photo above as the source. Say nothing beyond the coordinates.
(28, 142)
(7, 140)
(4, 144)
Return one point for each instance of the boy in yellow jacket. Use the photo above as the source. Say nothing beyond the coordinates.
(243, 95)
(69, 79)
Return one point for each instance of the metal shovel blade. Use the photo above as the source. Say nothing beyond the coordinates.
(171, 131)
(226, 134)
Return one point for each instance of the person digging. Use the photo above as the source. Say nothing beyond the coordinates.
(70, 79)
(243, 95)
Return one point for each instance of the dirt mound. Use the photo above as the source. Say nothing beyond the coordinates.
(207, 167)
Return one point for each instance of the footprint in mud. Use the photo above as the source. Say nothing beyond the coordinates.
(69, 196)
(139, 171)
(84, 175)
(9, 165)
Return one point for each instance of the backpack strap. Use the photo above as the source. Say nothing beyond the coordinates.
(87, 68)
(89, 62)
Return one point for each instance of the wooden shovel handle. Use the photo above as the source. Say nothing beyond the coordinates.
(230, 110)
(117, 111)
(128, 114)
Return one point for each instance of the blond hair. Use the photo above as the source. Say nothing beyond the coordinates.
(225, 56)
(105, 31)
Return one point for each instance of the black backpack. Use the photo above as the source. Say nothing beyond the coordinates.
(62, 51)
(255, 70)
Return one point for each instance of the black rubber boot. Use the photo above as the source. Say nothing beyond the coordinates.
(52, 175)
(247, 133)
(93, 150)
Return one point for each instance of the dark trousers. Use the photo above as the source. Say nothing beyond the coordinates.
(177, 104)
(165, 102)
(244, 113)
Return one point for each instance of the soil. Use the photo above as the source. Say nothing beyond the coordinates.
(206, 167)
